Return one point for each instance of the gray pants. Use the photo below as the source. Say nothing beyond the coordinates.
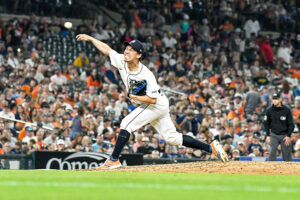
(286, 150)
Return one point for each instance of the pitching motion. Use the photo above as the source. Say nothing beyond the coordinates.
(142, 88)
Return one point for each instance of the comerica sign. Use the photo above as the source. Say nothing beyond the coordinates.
(68, 164)
(79, 160)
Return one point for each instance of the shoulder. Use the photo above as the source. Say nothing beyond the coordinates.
(146, 70)
(269, 109)
(286, 108)
(113, 53)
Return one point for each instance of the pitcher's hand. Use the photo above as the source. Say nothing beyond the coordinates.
(84, 37)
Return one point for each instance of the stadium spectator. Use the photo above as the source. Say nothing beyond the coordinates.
(51, 139)
(253, 101)
(94, 80)
(145, 149)
(81, 60)
(181, 152)
(252, 26)
(29, 135)
(7, 148)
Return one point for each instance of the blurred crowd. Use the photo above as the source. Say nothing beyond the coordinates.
(218, 71)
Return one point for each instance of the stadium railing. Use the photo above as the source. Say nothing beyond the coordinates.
(16, 161)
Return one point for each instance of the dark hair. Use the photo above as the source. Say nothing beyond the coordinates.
(81, 111)
(285, 87)
(97, 77)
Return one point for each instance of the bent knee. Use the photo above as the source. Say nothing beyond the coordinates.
(174, 139)
(126, 126)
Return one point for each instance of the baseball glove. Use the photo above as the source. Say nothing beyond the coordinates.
(137, 88)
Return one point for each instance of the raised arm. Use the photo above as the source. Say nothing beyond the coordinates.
(101, 46)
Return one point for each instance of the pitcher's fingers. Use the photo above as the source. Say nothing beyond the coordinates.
(79, 37)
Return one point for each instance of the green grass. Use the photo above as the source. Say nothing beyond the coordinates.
(89, 185)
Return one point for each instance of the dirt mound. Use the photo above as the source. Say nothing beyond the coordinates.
(234, 167)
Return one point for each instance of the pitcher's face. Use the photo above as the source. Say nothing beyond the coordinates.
(130, 54)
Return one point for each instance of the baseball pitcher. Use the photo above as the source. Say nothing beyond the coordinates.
(153, 106)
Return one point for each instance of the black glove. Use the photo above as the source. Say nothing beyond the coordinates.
(137, 88)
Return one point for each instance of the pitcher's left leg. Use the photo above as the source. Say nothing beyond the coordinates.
(166, 128)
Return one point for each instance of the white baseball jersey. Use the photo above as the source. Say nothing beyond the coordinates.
(155, 114)
(143, 73)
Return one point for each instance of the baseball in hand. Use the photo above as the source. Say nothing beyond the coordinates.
(68, 25)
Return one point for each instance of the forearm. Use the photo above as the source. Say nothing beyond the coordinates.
(101, 46)
(145, 99)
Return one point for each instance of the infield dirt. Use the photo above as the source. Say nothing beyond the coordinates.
(234, 167)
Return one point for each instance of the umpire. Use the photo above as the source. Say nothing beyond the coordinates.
(279, 119)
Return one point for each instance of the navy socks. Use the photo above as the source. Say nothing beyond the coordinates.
(188, 141)
(121, 142)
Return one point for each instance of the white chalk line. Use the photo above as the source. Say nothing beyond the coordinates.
(150, 186)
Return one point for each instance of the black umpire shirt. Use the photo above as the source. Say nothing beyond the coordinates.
(279, 120)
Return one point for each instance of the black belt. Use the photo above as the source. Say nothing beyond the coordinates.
(159, 91)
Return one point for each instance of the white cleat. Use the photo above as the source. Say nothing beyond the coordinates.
(218, 151)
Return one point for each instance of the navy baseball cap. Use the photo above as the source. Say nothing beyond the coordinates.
(136, 45)
(276, 96)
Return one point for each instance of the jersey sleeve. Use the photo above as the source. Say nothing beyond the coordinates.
(152, 86)
(116, 59)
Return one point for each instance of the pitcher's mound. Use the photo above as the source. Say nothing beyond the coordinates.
(233, 167)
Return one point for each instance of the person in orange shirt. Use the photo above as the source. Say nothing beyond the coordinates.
(94, 80)
(231, 114)
(40, 139)
(296, 109)
(57, 124)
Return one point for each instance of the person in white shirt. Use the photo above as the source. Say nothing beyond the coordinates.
(7, 114)
(39, 74)
(51, 139)
(251, 26)
(29, 135)
(296, 136)
(169, 41)
(106, 124)
(12, 60)
(121, 103)
(57, 78)
(153, 104)
(112, 106)
(284, 52)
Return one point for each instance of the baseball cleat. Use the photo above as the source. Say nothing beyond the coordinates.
(110, 164)
(218, 151)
